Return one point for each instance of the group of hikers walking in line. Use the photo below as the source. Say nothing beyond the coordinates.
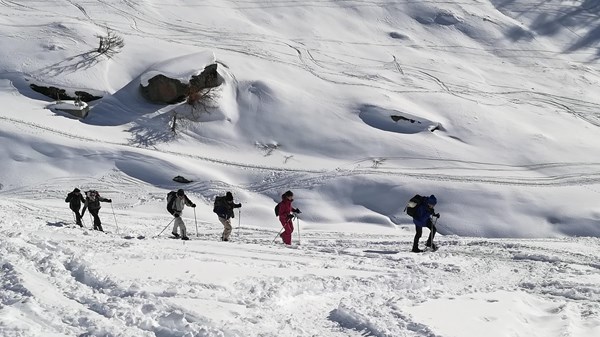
(420, 208)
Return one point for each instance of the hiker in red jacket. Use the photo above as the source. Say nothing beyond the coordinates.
(286, 216)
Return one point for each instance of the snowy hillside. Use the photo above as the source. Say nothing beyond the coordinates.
(355, 106)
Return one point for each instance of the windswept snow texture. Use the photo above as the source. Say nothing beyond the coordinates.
(355, 106)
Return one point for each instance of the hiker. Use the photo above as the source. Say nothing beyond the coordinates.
(92, 203)
(75, 199)
(176, 201)
(422, 218)
(224, 206)
(286, 216)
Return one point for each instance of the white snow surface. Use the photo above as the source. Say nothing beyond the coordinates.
(355, 106)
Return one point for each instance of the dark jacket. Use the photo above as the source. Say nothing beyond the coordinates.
(75, 199)
(224, 208)
(93, 203)
(423, 215)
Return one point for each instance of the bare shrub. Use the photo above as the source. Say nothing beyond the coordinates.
(200, 101)
(110, 44)
(174, 122)
(267, 148)
(377, 162)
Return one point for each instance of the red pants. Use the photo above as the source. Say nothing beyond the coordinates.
(288, 228)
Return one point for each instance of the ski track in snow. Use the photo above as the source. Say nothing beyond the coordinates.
(587, 176)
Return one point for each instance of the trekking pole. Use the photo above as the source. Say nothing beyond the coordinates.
(298, 224)
(433, 230)
(196, 221)
(164, 228)
(113, 211)
(278, 234)
(239, 221)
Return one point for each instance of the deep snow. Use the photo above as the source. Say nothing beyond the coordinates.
(353, 105)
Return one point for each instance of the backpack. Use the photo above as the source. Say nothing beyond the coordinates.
(220, 204)
(93, 199)
(277, 209)
(413, 204)
(170, 199)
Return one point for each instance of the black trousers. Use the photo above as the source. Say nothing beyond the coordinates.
(97, 222)
(419, 233)
(77, 216)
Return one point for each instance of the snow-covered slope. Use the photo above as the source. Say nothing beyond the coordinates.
(355, 106)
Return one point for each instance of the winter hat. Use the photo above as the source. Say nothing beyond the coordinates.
(76, 190)
(432, 200)
(228, 196)
(180, 192)
(288, 194)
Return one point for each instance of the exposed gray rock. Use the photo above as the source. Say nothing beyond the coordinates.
(165, 90)
(61, 94)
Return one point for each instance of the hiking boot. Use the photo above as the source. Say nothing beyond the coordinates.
(175, 235)
(184, 238)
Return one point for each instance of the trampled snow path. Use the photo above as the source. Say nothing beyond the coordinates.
(60, 280)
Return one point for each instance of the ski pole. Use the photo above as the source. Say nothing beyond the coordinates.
(278, 234)
(298, 224)
(164, 228)
(433, 230)
(239, 221)
(113, 211)
(196, 221)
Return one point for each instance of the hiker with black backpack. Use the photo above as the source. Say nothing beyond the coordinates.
(422, 210)
(176, 201)
(92, 203)
(75, 199)
(223, 207)
(285, 211)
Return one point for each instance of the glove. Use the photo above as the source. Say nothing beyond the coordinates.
(296, 210)
(176, 214)
(193, 205)
(109, 200)
(437, 215)
(239, 205)
(290, 216)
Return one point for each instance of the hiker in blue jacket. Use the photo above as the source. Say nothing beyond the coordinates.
(422, 219)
